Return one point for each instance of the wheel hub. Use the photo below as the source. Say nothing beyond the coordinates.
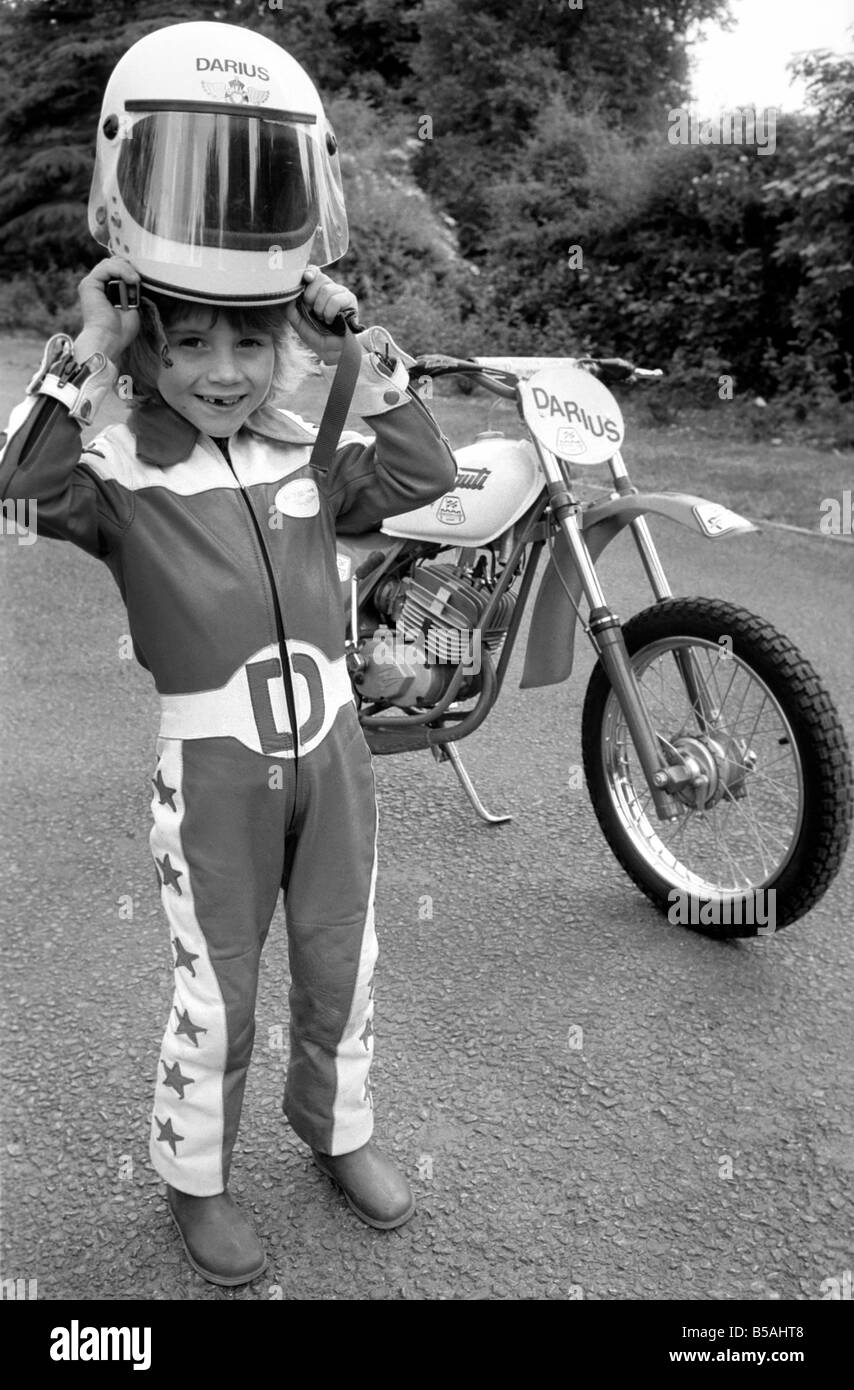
(716, 768)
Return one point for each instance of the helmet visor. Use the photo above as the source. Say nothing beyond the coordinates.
(202, 178)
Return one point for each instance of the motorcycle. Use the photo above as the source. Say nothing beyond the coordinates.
(715, 760)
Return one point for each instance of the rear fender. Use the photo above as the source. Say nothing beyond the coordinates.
(547, 660)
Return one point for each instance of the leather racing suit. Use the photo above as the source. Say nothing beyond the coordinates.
(224, 553)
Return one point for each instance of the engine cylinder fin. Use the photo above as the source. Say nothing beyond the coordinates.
(442, 609)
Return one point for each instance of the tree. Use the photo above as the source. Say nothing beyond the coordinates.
(659, 252)
(57, 57)
(815, 205)
(486, 69)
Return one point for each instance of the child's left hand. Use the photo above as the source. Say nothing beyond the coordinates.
(326, 300)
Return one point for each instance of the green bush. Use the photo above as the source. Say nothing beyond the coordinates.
(44, 304)
(403, 261)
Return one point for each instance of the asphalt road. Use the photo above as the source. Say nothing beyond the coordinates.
(699, 1145)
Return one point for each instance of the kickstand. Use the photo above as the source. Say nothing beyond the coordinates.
(447, 753)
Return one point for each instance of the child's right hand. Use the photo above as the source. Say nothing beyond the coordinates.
(105, 329)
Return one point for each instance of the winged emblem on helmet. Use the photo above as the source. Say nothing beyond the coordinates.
(236, 92)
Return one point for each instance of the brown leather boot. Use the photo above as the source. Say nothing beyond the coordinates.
(375, 1188)
(220, 1243)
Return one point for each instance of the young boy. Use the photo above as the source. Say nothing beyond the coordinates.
(220, 535)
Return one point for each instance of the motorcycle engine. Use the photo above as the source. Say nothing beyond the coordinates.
(434, 611)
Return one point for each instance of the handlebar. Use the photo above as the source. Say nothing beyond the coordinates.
(496, 377)
(613, 370)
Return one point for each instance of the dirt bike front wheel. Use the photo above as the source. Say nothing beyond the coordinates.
(764, 810)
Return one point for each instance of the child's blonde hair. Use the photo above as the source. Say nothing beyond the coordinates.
(145, 357)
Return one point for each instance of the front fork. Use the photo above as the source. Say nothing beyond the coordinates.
(704, 710)
(604, 627)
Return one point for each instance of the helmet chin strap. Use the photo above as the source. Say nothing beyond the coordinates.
(337, 402)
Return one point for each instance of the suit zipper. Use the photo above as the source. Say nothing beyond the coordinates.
(280, 624)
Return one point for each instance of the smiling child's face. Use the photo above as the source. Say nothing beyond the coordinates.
(220, 372)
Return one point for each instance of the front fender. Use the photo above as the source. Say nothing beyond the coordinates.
(548, 661)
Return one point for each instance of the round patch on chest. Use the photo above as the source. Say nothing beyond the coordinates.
(299, 498)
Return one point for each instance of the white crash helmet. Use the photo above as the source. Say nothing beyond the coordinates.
(216, 172)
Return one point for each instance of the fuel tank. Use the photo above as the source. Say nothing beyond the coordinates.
(497, 480)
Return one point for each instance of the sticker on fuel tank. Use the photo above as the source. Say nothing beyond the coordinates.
(450, 511)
